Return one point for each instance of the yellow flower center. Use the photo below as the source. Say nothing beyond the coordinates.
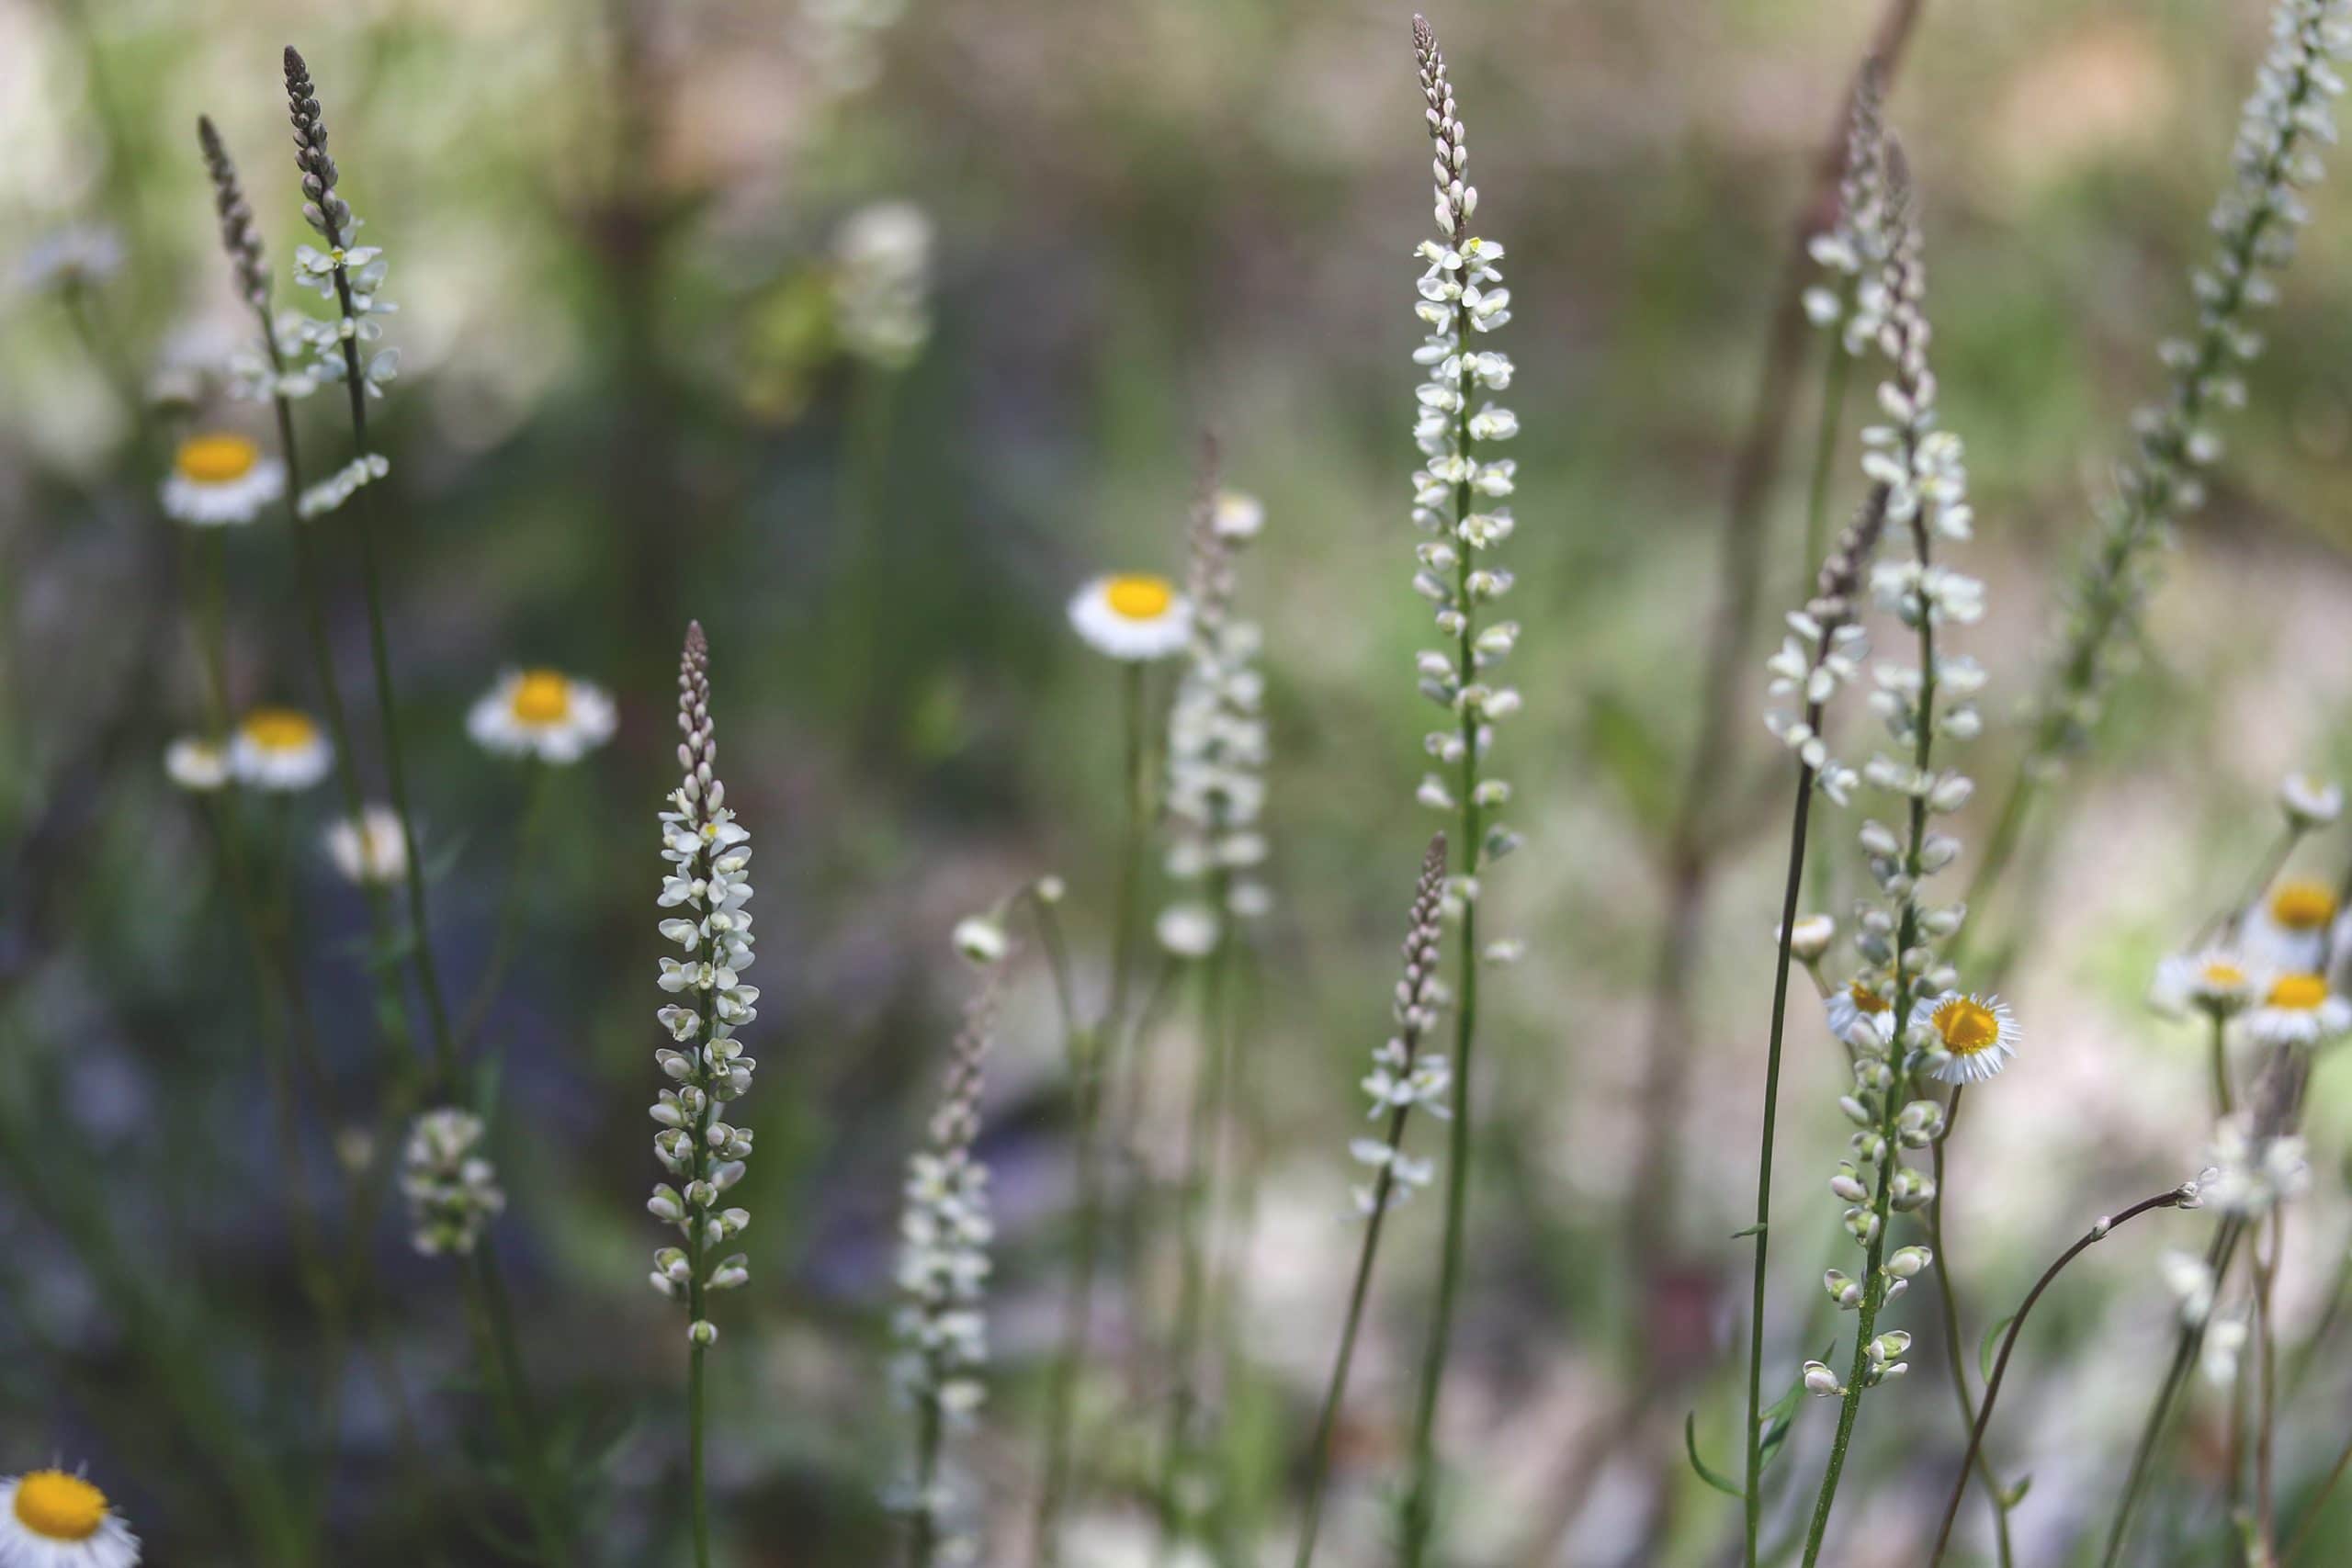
(1140, 597)
(1868, 1001)
(58, 1506)
(2299, 993)
(1967, 1025)
(217, 458)
(2221, 976)
(280, 730)
(542, 696)
(2302, 906)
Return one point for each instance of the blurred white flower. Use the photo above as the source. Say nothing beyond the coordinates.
(50, 1518)
(371, 850)
(279, 748)
(2309, 801)
(2215, 982)
(2299, 1010)
(882, 283)
(1133, 616)
(221, 478)
(543, 714)
(195, 764)
(76, 255)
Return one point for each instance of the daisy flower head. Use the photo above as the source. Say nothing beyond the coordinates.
(2309, 801)
(370, 850)
(2217, 983)
(53, 1519)
(1971, 1037)
(79, 255)
(197, 764)
(1860, 1015)
(2289, 930)
(2299, 1010)
(220, 478)
(1188, 930)
(544, 714)
(279, 748)
(1133, 616)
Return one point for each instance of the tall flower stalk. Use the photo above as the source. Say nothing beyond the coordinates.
(707, 888)
(1403, 1076)
(944, 1235)
(1462, 297)
(349, 276)
(1215, 796)
(2287, 122)
(1909, 1025)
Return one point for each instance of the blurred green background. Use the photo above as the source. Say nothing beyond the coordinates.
(623, 402)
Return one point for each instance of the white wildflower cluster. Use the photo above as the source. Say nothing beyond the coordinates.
(452, 1190)
(1403, 1074)
(1462, 296)
(2252, 1167)
(1900, 1017)
(69, 258)
(1852, 248)
(882, 284)
(345, 275)
(708, 856)
(1216, 743)
(2290, 118)
(340, 486)
(944, 1236)
(274, 749)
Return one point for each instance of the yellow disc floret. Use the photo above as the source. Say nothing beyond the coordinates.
(2302, 906)
(1140, 597)
(1865, 1000)
(217, 458)
(541, 696)
(2298, 993)
(1966, 1026)
(280, 730)
(2220, 975)
(58, 1506)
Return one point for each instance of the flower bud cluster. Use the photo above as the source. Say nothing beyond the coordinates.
(452, 1190)
(1403, 1074)
(709, 856)
(346, 275)
(1216, 742)
(882, 284)
(1850, 250)
(2287, 124)
(1462, 297)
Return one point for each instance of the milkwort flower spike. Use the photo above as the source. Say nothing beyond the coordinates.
(239, 235)
(1849, 250)
(2287, 123)
(1462, 299)
(944, 1266)
(709, 856)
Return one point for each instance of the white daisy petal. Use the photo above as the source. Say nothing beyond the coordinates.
(543, 714)
(1134, 617)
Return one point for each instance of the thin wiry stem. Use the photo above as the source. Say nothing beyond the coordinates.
(2098, 1232)
(319, 170)
(1953, 1360)
(1088, 1066)
(1415, 1011)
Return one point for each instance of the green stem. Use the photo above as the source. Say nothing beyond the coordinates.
(510, 905)
(502, 1364)
(1420, 1502)
(1335, 1393)
(1952, 1357)
(2186, 1345)
(2098, 1232)
(1198, 1179)
(1088, 1065)
(445, 1047)
(1752, 1503)
(923, 1547)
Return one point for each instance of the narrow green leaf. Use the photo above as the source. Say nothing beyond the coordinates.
(1690, 1447)
(1757, 1229)
(2012, 1495)
(1991, 1347)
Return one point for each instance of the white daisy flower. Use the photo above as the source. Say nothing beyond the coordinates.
(51, 1520)
(2299, 1010)
(220, 478)
(1237, 516)
(2309, 801)
(370, 850)
(1974, 1036)
(279, 748)
(1860, 1016)
(197, 764)
(2287, 932)
(1134, 617)
(544, 714)
(1188, 930)
(79, 255)
(1810, 937)
(2216, 983)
